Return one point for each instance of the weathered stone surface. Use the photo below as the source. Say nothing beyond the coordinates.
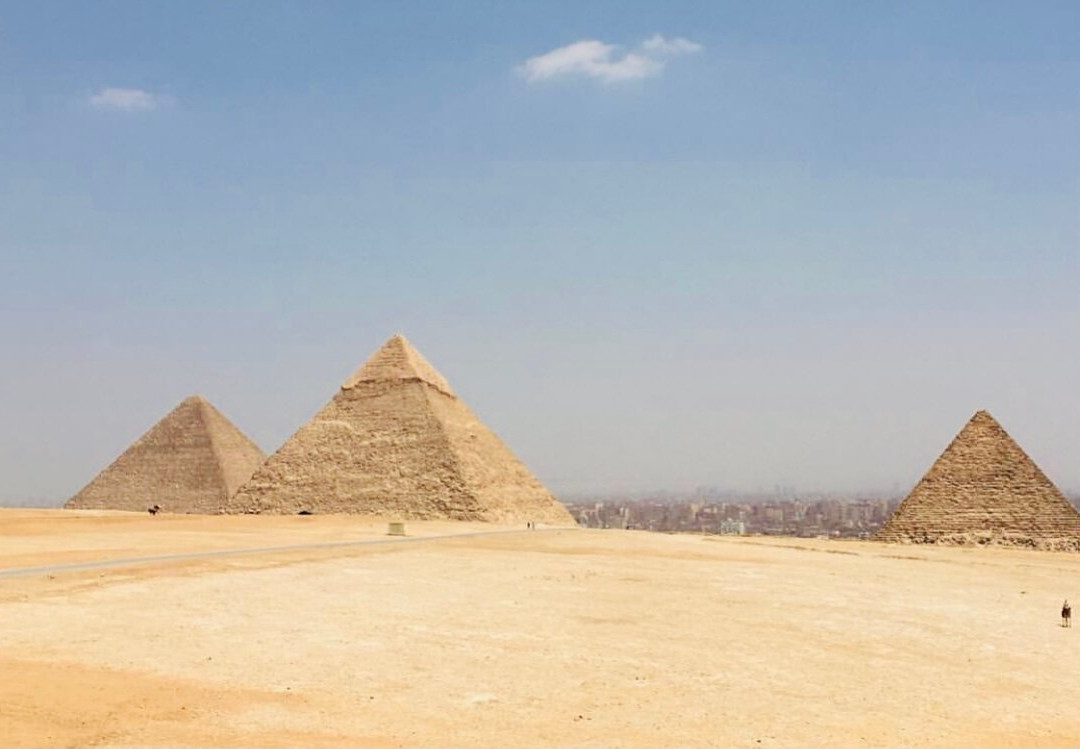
(395, 441)
(190, 461)
(984, 489)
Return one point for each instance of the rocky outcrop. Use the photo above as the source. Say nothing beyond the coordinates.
(396, 441)
(984, 489)
(190, 461)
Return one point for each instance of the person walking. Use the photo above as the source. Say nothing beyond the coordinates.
(1066, 614)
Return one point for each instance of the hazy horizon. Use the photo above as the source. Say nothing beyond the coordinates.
(652, 246)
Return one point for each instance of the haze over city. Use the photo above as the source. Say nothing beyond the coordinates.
(654, 246)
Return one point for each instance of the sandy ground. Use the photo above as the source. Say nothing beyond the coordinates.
(543, 638)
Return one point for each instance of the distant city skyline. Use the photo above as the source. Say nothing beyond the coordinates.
(653, 246)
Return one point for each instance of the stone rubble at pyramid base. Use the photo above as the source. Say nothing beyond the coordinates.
(418, 509)
(1007, 539)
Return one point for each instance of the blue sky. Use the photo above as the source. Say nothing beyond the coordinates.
(802, 253)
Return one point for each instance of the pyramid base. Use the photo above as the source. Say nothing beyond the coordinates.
(1004, 539)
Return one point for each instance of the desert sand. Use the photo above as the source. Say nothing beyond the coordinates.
(478, 635)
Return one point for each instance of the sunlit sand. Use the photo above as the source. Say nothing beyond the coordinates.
(560, 637)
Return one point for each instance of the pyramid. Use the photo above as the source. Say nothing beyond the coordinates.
(396, 441)
(190, 461)
(985, 489)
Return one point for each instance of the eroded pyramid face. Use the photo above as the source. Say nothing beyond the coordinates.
(190, 461)
(984, 487)
(396, 441)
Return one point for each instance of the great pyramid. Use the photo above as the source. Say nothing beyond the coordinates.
(985, 489)
(395, 441)
(190, 461)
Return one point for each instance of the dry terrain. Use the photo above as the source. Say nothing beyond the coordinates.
(335, 635)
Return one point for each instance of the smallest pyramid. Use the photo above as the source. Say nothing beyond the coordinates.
(985, 489)
(191, 461)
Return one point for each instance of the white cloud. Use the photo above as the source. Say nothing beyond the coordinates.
(590, 58)
(127, 100)
(658, 45)
(595, 59)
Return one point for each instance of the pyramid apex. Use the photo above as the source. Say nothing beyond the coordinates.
(398, 361)
(982, 416)
(198, 404)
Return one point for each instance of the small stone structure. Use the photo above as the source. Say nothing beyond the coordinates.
(190, 461)
(395, 441)
(984, 489)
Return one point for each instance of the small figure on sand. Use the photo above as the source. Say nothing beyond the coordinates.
(154, 510)
(1066, 615)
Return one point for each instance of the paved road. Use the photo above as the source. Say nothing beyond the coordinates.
(166, 558)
